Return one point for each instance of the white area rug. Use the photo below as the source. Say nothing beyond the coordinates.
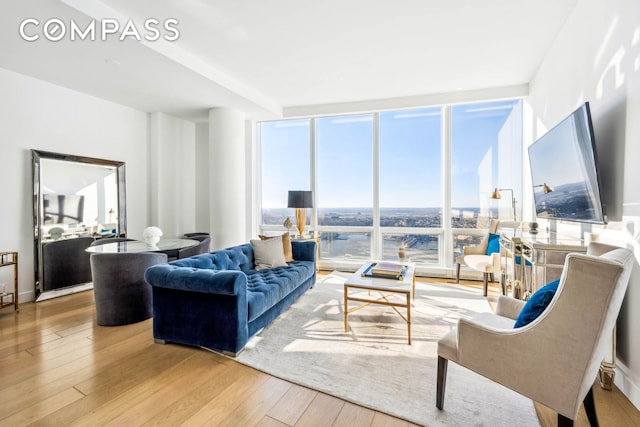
(372, 365)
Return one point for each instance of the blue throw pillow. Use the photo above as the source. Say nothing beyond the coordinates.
(493, 244)
(537, 304)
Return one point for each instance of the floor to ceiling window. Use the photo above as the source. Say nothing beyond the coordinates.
(345, 186)
(285, 164)
(486, 153)
(408, 183)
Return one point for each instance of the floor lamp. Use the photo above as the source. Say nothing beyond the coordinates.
(300, 200)
(496, 195)
(545, 188)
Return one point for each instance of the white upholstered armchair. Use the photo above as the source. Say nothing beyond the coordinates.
(553, 360)
(476, 258)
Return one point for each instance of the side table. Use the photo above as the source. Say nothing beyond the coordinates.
(10, 298)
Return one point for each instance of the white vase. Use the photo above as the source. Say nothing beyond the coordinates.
(152, 240)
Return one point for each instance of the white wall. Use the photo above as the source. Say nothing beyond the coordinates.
(172, 175)
(43, 116)
(596, 58)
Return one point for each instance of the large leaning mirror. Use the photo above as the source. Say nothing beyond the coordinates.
(76, 200)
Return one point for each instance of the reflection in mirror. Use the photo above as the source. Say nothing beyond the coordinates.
(76, 201)
(78, 198)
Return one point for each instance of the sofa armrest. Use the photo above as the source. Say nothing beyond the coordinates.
(509, 307)
(223, 282)
(304, 251)
(201, 307)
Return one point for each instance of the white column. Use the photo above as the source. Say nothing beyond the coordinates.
(202, 177)
(227, 189)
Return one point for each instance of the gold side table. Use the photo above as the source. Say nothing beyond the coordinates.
(10, 298)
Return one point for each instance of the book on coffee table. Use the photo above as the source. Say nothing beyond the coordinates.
(387, 270)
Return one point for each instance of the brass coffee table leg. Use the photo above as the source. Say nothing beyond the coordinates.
(409, 317)
(346, 309)
(413, 287)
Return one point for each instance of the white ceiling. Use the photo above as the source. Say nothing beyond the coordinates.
(263, 56)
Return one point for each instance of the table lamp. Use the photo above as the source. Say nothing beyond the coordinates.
(300, 200)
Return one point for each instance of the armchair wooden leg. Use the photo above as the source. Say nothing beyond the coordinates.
(441, 381)
(485, 284)
(457, 273)
(590, 408)
(564, 421)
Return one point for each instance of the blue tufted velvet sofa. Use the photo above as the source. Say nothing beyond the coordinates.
(218, 300)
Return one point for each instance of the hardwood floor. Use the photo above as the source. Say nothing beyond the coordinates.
(58, 368)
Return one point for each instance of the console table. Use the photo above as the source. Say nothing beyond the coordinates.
(545, 254)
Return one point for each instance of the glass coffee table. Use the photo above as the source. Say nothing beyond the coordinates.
(391, 292)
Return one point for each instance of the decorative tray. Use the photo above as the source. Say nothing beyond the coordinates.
(385, 270)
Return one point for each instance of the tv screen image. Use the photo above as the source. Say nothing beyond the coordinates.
(63, 209)
(564, 171)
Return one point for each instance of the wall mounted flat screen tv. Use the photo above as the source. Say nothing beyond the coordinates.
(564, 171)
(63, 209)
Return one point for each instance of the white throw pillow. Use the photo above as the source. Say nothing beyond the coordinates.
(268, 253)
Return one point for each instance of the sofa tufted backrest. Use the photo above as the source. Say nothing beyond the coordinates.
(234, 258)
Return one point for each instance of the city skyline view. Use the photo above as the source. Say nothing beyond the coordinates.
(418, 246)
(389, 217)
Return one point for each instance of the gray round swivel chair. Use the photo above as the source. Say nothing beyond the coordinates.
(121, 294)
(197, 235)
(203, 247)
(65, 263)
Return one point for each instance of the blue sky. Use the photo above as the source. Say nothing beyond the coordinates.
(410, 156)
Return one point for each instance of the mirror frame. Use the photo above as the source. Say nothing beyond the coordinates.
(36, 157)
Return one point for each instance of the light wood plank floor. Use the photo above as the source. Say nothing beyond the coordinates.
(58, 368)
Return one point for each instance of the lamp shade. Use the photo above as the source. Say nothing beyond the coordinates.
(300, 199)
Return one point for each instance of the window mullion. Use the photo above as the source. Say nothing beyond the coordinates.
(446, 245)
(256, 153)
(313, 156)
(376, 237)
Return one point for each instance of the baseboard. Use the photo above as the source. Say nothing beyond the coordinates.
(26, 296)
(628, 385)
